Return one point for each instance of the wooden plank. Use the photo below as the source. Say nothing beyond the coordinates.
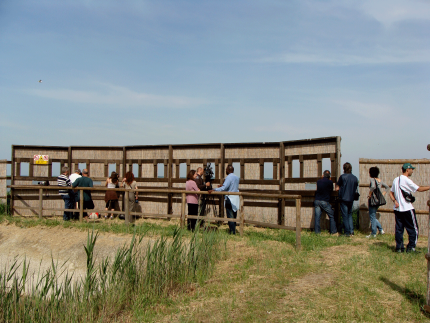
(31, 170)
(155, 164)
(242, 170)
(302, 168)
(298, 225)
(188, 167)
(393, 161)
(319, 165)
(261, 163)
(269, 225)
(290, 167)
(169, 184)
(40, 203)
(127, 207)
(242, 216)
(177, 163)
(275, 169)
(183, 210)
(139, 168)
(81, 205)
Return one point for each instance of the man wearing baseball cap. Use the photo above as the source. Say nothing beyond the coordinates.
(403, 208)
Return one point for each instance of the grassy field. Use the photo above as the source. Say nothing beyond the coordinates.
(261, 278)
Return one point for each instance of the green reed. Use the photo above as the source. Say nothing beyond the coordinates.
(136, 277)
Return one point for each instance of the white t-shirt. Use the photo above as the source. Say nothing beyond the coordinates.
(408, 186)
(74, 177)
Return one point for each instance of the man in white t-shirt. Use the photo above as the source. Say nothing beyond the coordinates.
(404, 210)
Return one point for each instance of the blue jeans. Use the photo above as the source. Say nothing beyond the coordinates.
(232, 215)
(346, 211)
(68, 204)
(374, 223)
(326, 207)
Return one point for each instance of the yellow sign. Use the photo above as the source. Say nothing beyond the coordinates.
(41, 159)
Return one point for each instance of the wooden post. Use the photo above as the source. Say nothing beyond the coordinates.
(302, 167)
(40, 203)
(81, 205)
(183, 210)
(298, 225)
(319, 165)
(242, 216)
(126, 207)
(427, 307)
(281, 208)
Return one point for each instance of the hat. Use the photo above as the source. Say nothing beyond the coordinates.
(407, 166)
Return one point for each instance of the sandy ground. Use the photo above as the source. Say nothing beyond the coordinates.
(40, 245)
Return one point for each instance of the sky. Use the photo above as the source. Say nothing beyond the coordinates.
(180, 72)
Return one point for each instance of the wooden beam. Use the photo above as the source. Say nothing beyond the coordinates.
(298, 225)
(302, 168)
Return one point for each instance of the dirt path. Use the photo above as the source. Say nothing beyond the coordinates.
(65, 245)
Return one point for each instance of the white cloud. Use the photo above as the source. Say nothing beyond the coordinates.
(118, 96)
(378, 56)
(389, 12)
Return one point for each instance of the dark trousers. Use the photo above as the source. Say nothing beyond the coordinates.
(346, 211)
(232, 215)
(326, 207)
(69, 203)
(193, 209)
(406, 220)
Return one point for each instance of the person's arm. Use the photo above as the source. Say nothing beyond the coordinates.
(107, 182)
(76, 182)
(393, 198)
(423, 188)
(225, 186)
(136, 194)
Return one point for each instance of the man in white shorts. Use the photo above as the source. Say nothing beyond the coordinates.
(404, 210)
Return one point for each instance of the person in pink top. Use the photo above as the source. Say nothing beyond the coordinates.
(192, 199)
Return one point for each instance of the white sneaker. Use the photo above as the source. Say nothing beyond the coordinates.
(382, 232)
(371, 236)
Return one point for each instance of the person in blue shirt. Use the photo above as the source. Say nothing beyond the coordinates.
(322, 202)
(231, 202)
(347, 186)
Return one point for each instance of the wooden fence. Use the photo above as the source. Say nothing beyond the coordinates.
(129, 216)
(286, 168)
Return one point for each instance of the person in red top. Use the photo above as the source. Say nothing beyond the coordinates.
(192, 199)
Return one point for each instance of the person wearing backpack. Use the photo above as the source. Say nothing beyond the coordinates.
(374, 190)
(404, 211)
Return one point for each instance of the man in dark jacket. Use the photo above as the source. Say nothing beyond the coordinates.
(202, 187)
(322, 202)
(347, 186)
(85, 181)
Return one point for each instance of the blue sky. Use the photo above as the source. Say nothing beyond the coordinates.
(161, 72)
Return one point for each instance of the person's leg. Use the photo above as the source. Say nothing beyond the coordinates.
(399, 231)
(372, 216)
(231, 225)
(326, 206)
(318, 211)
(193, 209)
(411, 226)
(351, 222)
(345, 219)
(66, 200)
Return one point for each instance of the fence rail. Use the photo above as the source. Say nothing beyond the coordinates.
(241, 219)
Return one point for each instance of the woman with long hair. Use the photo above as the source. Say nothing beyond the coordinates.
(130, 183)
(192, 199)
(111, 197)
(375, 183)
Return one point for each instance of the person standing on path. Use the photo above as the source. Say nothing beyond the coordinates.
(404, 211)
(231, 202)
(322, 202)
(347, 186)
(85, 181)
(67, 195)
(375, 183)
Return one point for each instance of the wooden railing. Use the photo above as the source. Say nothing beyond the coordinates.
(241, 219)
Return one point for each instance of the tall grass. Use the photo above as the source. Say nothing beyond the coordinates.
(137, 276)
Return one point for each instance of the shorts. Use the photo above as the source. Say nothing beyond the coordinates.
(112, 204)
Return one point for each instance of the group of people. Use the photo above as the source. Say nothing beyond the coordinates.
(347, 185)
(81, 179)
(197, 205)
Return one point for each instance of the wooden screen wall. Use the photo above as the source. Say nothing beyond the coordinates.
(160, 167)
(389, 170)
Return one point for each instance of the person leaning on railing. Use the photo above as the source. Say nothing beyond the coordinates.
(231, 202)
(130, 183)
(67, 195)
(111, 197)
(85, 181)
